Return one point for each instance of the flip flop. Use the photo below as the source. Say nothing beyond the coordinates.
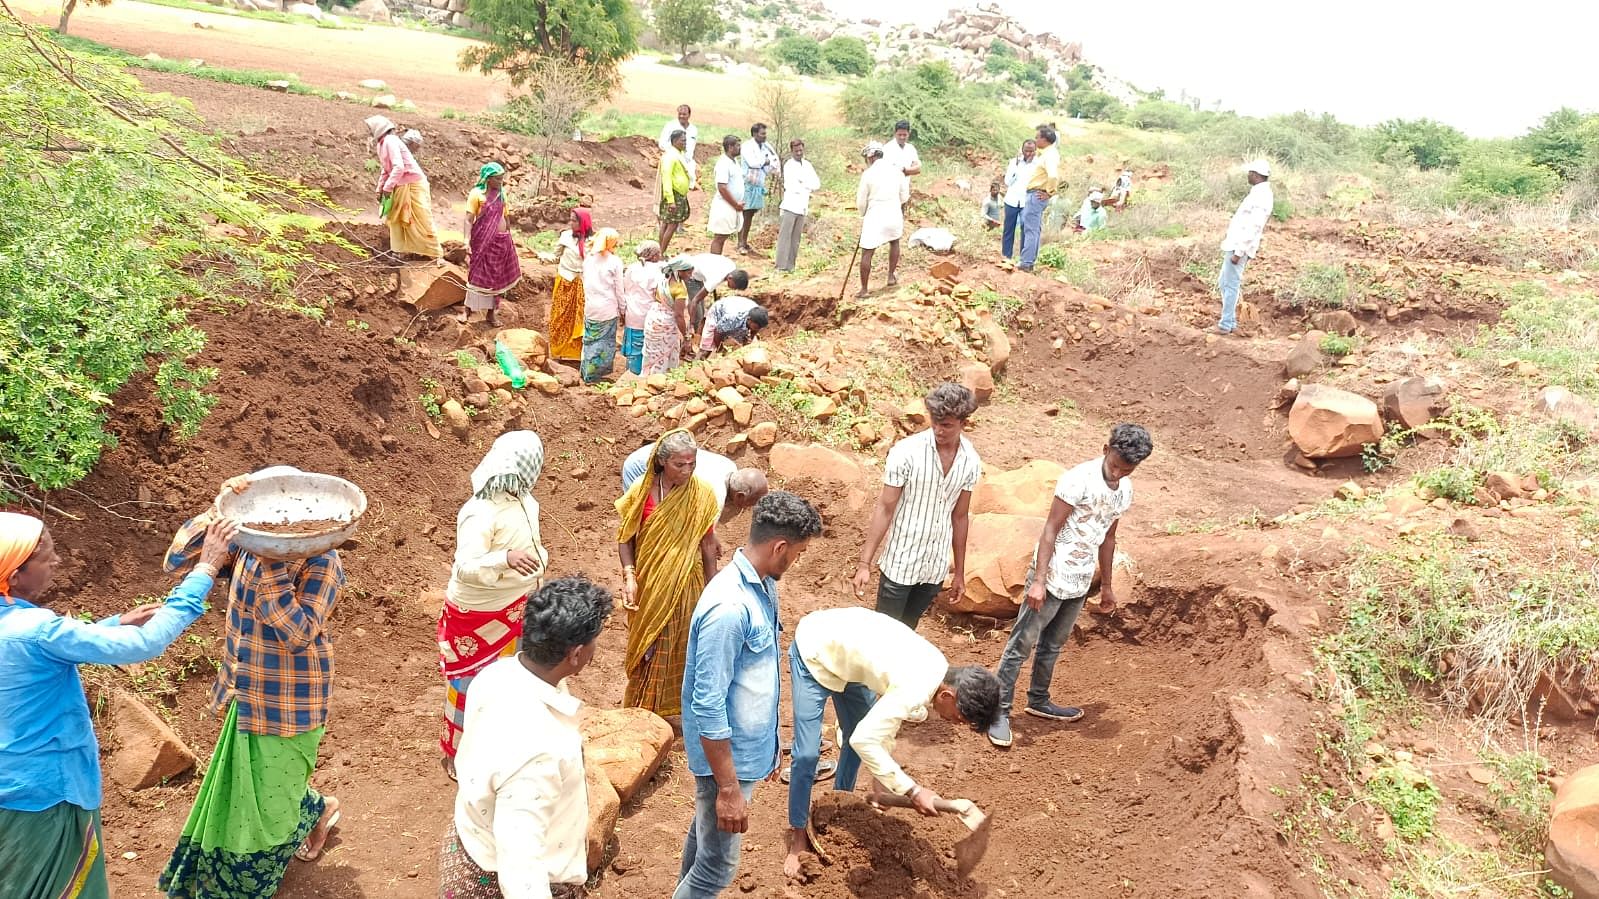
(304, 853)
(788, 747)
(824, 770)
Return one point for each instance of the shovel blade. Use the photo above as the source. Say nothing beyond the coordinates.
(970, 850)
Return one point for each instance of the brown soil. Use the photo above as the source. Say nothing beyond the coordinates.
(297, 528)
(1162, 790)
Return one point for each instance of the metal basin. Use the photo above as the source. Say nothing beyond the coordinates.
(287, 498)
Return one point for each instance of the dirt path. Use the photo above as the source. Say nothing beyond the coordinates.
(417, 65)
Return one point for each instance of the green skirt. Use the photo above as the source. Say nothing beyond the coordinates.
(254, 810)
(53, 854)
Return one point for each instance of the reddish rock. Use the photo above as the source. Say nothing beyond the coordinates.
(1025, 491)
(605, 806)
(1306, 356)
(763, 435)
(815, 463)
(627, 744)
(148, 752)
(1413, 402)
(979, 379)
(1502, 485)
(1572, 850)
(1328, 423)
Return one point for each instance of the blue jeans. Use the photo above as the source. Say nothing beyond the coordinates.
(1230, 284)
(1045, 631)
(1033, 227)
(1007, 237)
(710, 856)
(810, 700)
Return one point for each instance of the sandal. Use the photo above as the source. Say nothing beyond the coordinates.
(787, 747)
(304, 853)
(825, 770)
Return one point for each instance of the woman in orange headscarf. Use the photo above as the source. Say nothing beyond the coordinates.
(667, 543)
(49, 758)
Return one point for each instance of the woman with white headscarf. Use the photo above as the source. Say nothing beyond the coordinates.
(499, 561)
(404, 199)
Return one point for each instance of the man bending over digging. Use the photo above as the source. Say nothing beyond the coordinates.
(1080, 533)
(879, 674)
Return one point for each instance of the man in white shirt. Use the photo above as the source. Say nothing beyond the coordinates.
(879, 674)
(880, 197)
(521, 811)
(924, 510)
(759, 163)
(902, 155)
(1017, 175)
(736, 488)
(1242, 242)
(799, 182)
(1078, 536)
(692, 133)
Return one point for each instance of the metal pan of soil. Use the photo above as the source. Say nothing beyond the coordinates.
(294, 516)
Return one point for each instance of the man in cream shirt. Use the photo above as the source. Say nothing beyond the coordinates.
(521, 812)
(851, 655)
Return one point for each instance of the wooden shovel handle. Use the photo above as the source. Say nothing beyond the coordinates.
(897, 801)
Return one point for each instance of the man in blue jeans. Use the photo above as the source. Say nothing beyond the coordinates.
(1041, 187)
(879, 674)
(730, 690)
(1018, 174)
(1242, 242)
(1079, 534)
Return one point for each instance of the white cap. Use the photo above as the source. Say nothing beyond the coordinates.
(1260, 166)
(872, 148)
(1095, 195)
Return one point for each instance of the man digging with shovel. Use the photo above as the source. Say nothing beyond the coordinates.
(879, 674)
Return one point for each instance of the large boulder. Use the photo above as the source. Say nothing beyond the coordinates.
(1573, 847)
(1413, 402)
(372, 11)
(1562, 405)
(1024, 491)
(1328, 423)
(627, 744)
(999, 551)
(527, 345)
(1306, 356)
(794, 462)
(148, 752)
(605, 806)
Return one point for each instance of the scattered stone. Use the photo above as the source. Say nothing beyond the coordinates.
(823, 408)
(474, 384)
(544, 383)
(1339, 321)
(1463, 528)
(695, 406)
(763, 435)
(794, 462)
(1502, 485)
(756, 361)
(385, 101)
(148, 751)
(628, 744)
(729, 396)
(528, 346)
(865, 435)
(605, 806)
(373, 84)
(742, 413)
(1413, 402)
(976, 377)
(1349, 490)
(456, 419)
(1023, 491)
(1573, 847)
(1287, 393)
(1481, 775)
(1328, 423)
(1306, 356)
(914, 415)
(1562, 405)
(478, 401)
(279, 85)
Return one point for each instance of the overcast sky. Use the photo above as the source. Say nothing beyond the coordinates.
(1491, 69)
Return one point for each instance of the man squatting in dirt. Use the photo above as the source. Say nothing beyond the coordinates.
(924, 510)
(1079, 535)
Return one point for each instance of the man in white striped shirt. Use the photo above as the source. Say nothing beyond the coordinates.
(923, 510)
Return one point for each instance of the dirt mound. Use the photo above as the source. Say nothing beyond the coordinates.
(885, 853)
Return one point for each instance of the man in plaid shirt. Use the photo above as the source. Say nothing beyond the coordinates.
(273, 684)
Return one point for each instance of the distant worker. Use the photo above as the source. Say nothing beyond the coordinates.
(404, 199)
(673, 182)
(902, 155)
(1017, 175)
(691, 139)
(727, 206)
(1122, 192)
(604, 305)
(1041, 188)
(494, 267)
(881, 200)
(758, 162)
(1242, 242)
(923, 510)
(413, 140)
(799, 182)
(642, 285)
(566, 296)
(707, 275)
(1092, 215)
(993, 208)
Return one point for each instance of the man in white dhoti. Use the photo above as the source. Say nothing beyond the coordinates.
(880, 198)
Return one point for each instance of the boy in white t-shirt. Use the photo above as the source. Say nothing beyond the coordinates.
(1079, 535)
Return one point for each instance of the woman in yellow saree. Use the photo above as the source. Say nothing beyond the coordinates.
(667, 543)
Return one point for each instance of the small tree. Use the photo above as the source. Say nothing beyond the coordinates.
(556, 98)
(786, 111)
(1429, 144)
(847, 55)
(802, 54)
(681, 23)
(67, 8)
(521, 35)
(1566, 142)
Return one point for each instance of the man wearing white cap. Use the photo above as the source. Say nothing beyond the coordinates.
(1242, 242)
(883, 190)
(1092, 216)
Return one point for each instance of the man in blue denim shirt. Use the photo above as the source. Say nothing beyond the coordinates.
(730, 690)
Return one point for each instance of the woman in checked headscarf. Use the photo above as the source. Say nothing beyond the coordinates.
(499, 561)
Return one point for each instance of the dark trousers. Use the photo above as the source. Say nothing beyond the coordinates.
(1043, 631)
(905, 602)
(1009, 230)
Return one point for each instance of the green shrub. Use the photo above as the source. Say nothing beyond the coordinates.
(1094, 105)
(1080, 77)
(1321, 284)
(1424, 142)
(1409, 798)
(1337, 345)
(1052, 256)
(1300, 140)
(801, 53)
(942, 111)
(1566, 142)
(1491, 173)
(1160, 115)
(846, 55)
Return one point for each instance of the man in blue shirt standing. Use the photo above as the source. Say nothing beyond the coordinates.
(730, 690)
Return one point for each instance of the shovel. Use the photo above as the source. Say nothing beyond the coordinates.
(971, 849)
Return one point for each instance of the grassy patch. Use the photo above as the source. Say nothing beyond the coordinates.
(1321, 285)
(245, 77)
(1557, 333)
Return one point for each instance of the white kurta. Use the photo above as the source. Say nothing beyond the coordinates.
(724, 218)
(880, 199)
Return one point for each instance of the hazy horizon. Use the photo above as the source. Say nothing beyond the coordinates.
(1369, 61)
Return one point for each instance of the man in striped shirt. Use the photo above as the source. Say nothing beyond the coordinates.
(923, 510)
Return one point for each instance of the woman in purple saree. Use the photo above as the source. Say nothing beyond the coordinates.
(494, 267)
